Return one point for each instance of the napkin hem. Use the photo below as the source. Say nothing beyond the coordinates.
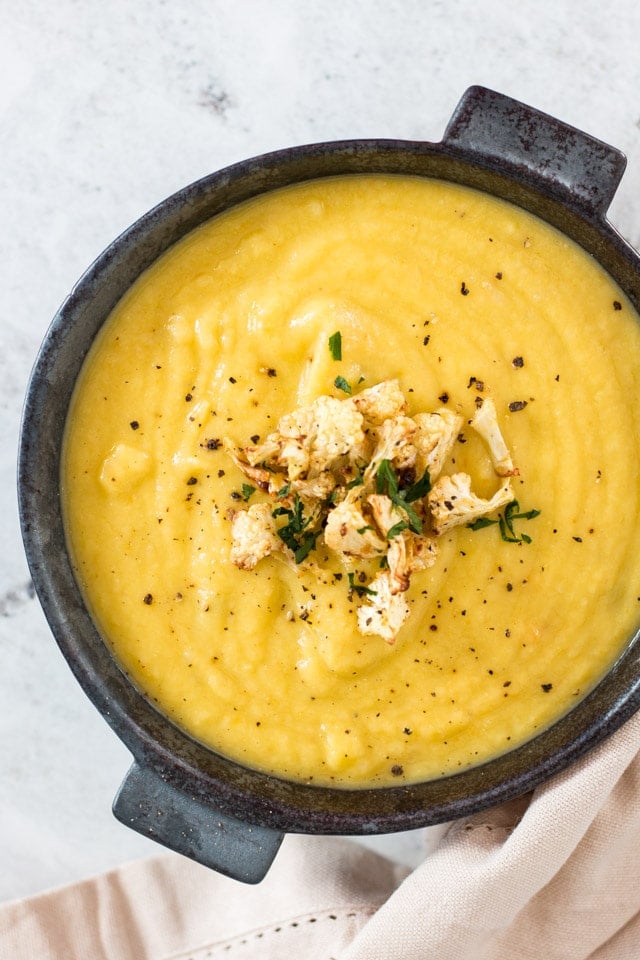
(287, 925)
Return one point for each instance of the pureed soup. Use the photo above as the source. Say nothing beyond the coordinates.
(205, 465)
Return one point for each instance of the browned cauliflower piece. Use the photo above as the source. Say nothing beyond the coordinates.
(337, 432)
(452, 502)
(261, 477)
(310, 440)
(384, 611)
(288, 455)
(436, 434)
(254, 536)
(382, 402)
(422, 552)
(348, 532)
(407, 553)
(318, 488)
(394, 443)
(485, 423)
(383, 511)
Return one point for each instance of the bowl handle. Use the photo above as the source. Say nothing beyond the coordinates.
(574, 166)
(159, 810)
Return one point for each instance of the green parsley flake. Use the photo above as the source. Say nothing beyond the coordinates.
(387, 483)
(335, 346)
(359, 588)
(397, 529)
(505, 522)
(295, 534)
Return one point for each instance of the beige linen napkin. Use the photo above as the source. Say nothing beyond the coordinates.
(554, 875)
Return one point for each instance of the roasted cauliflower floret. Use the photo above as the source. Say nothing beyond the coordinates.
(348, 532)
(260, 476)
(254, 536)
(485, 423)
(408, 553)
(383, 512)
(436, 434)
(384, 611)
(337, 431)
(287, 455)
(310, 440)
(318, 488)
(394, 443)
(452, 502)
(382, 402)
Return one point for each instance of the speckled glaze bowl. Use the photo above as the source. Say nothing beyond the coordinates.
(178, 791)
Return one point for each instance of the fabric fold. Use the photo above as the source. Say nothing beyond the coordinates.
(553, 878)
(554, 874)
(319, 891)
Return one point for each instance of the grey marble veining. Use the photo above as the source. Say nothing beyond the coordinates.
(107, 108)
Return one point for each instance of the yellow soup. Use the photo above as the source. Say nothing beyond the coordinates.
(455, 295)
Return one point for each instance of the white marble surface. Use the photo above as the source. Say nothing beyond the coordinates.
(105, 108)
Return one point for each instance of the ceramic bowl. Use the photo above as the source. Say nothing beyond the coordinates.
(178, 791)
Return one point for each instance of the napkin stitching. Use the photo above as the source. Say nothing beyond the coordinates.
(224, 947)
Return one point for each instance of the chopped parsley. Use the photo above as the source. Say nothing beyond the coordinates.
(343, 385)
(359, 588)
(396, 529)
(419, 489)
(357, 481)
(386, 480)
(505, 522)
(247, 491)
(335, 345)
(295, 534)
(480, 523)
(387, 483)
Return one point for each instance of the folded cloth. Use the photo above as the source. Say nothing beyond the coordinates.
(555, 875)
(552, 875)
(317, 895)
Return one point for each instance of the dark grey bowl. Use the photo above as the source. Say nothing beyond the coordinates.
(178, 791)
